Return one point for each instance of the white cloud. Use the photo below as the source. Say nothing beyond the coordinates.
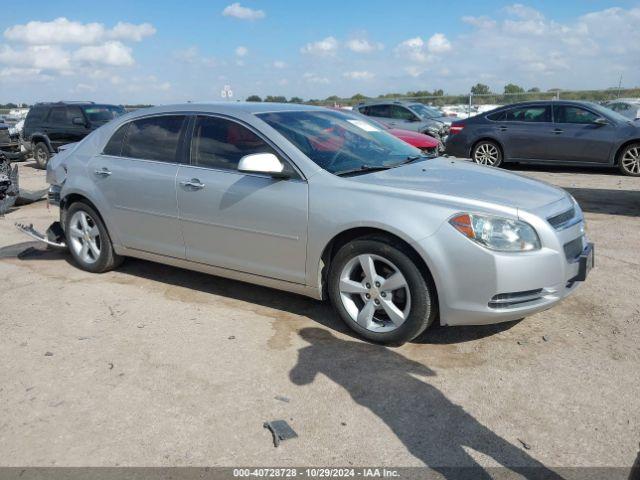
(191, 55)
(362, 45)
(132, 32)
(524, 12)
(314, 78)
(242, 51)
(325, 47)
(64, 31)
(438, 43)
(42, 57)
(111, 53)
(279, 64)
(418, 51)
(359, 75)
(480, 22)
(243, 13)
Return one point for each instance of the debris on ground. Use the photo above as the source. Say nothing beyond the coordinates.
(280, 430)
(545, 338)
(48, 354)
(524, 444)
(282, 398)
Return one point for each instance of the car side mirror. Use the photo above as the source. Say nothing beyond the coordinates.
(78, 121)
(265, 163)
(601, 121)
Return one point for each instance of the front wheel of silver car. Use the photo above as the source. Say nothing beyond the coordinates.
(88, 239)
(380, 292)
(629, 162)
(487, 153)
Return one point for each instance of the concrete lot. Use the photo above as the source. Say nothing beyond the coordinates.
(152, 365)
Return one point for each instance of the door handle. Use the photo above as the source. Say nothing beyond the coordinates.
(557, 131)
(193, 183)
(103, 173)
(503, 128)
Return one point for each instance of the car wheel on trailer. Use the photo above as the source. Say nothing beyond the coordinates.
(379, 291)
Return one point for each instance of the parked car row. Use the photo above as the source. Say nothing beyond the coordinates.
(553, 132)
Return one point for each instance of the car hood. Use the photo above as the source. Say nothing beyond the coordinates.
(464, 180)
(414, 138)
(445, 120)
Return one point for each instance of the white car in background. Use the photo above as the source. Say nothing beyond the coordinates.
(459, 111)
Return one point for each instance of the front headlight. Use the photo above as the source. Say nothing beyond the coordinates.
(497, 233)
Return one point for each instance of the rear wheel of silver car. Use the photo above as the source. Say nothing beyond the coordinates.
(88, 239)
(41, 155)
(487, 153)
(380, 292)
(629, 162)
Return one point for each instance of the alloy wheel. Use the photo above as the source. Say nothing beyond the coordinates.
(631, 161)
(487, 154)
(84, 237)
(375, 293)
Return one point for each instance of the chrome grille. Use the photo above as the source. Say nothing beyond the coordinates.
(573, 249)
(560, 220)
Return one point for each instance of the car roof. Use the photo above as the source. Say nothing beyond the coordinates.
(547, 102)
(230, 108)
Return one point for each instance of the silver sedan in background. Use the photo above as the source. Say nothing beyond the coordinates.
(321, 203)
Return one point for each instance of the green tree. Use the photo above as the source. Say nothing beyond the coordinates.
(534, 90)
(296, 100)
(253, 98)
(275, 99)
(358, 97)
(480, 89)
(513, 88)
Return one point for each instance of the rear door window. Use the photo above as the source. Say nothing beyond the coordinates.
(382, 111)
(154, 138)
(401, 113)
(116, 142)
(58, 115)
(529, 114)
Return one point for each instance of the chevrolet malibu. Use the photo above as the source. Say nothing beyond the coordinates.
(321, 203)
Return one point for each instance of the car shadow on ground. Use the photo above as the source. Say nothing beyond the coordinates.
(317, 311)
(397, 390)
(394, 388)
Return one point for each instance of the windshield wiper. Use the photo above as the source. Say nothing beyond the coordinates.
(411, 159)
(362, 169)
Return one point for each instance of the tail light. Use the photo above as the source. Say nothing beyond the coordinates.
(456, 128)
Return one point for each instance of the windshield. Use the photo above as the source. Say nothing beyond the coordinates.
(606, 112)
(425, 111)
(340, 142)
(103, 113)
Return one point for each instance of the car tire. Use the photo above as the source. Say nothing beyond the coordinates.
(629, 161)
(349, 285)
(487, 152)
(88, 240)
(41, 155)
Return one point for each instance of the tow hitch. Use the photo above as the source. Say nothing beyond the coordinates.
(54, 236)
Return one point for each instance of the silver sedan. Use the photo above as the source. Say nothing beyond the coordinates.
(321, 203)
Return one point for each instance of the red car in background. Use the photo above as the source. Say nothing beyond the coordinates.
(427, 144)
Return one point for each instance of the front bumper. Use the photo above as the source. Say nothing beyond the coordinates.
(477, 286)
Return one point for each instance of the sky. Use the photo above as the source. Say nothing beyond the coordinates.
(128, 51)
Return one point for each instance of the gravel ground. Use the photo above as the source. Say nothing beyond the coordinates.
(156, 366)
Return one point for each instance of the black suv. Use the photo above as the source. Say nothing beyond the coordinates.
(48, 126)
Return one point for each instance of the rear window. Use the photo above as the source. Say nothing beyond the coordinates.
(154, 138)
(114, 146)
(529, 114)
(37, 114)
(103, 113)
